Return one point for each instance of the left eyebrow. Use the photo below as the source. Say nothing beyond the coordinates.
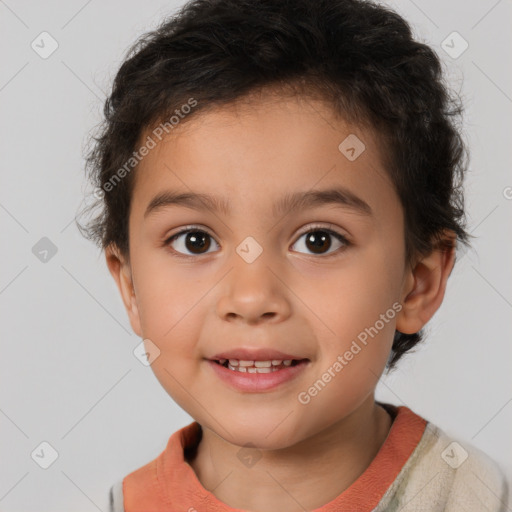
(339, 196)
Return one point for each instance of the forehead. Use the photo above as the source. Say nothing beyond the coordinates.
(250, 154)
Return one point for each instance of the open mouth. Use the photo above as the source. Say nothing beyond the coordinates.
(258, 366)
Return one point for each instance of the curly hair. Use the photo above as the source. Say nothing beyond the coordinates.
(358, 56)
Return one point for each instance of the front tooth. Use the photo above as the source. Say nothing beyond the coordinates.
(246, 363)
(263, 364)
(233, 362)
(276, 362)
(252, 369)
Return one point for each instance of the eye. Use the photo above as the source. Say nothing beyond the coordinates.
(318, 239)
(197, 241)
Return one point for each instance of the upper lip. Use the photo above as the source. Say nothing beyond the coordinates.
(260, 354)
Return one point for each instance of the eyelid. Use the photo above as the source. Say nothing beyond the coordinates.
(185, 229)
(327, 226)
(307, 229)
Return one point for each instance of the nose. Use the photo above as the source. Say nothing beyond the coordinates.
(253, 293)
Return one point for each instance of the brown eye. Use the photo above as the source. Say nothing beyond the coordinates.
(319, 240)
(196, 242)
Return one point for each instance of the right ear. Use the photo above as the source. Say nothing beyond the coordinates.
(120, 269)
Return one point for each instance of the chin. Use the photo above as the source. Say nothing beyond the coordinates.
(263, 435)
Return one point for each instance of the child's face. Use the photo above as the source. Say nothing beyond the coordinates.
(299, 297)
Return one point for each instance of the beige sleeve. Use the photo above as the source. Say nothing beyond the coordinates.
(447, 475)
(116, 497)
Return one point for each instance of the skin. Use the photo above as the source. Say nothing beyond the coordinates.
(290, 298)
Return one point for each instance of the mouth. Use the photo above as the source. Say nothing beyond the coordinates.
(248, 366)
(257, 376)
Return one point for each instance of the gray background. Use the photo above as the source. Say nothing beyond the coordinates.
(68, 374)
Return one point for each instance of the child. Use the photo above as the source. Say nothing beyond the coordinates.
(260, 130)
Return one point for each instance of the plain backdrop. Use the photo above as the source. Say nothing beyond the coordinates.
(68, 374)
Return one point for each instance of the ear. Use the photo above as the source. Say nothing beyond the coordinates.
(120, 269)
(425, 286)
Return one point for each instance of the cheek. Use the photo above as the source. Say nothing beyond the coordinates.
(357, 307)
(352, 295)
(170, 301)
(355, 314)
(172, 311)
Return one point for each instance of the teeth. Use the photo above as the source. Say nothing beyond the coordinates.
(237, 368)
(257, 366)
(252, 369)
(263, 364)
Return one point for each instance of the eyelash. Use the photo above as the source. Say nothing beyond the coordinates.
(188, 229)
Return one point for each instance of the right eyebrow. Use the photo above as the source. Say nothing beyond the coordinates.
(338, 196)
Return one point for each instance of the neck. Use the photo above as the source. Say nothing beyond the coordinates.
(305, 476)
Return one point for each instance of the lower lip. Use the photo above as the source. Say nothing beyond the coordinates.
(256, 382)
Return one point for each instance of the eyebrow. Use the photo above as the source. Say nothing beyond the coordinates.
(339, 196)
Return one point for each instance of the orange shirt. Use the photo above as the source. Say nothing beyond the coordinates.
(168, 483)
